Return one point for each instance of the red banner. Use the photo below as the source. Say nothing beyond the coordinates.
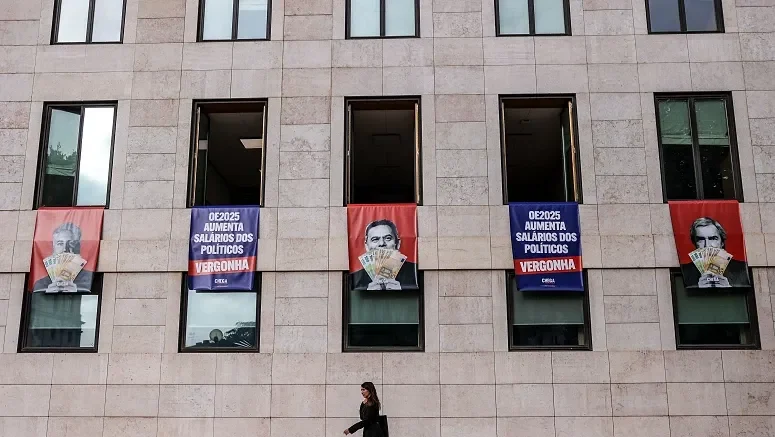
(382, 244)
(710, 244)
(65, 249)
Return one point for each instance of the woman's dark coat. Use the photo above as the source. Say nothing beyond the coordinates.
(369, 421)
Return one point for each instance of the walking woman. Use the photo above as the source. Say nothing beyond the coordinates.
(369, 412)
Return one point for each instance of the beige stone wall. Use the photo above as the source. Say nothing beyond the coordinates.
(633, 384)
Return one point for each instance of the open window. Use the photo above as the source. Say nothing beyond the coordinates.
(713, 318)
(540, 156)
(547, 319)
(383, 151)
(227, 157)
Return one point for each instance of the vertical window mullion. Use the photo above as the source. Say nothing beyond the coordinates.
(90, 21)
(382, 18)
(696, 150)
(235, 20)
(531, 17)
(78, 157)
(682, 16)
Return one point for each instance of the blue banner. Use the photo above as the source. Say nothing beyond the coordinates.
(223, 247)
(546, 243)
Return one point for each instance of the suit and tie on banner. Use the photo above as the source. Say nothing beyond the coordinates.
(223, 248)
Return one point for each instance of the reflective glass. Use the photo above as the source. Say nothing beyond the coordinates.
(108, 18)
(513, 17)
(549, 16)
(61, 158)
(62, 320)
(73, 20)
(664, 16)
(400, 18)
(218, 17)
(252, 19)
(384, 318)
(674, 124)
(221, 319)
(96, 145)
(364, 18)
(700, 15)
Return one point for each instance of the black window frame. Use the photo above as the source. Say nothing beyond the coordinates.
(97, 289)
(531, 18)
(48, 107)
(682, 20)
(348, 18)
(418, 176)
(752, 316)
(222, 106)
(574, 125)
(200, 27)
(183, 349)
(347, 289)
(89, 25)
(510, 275)
(734, 154)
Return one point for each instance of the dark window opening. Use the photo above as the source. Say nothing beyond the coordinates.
(220, 320)
(531, 17)
(540, 153)
(62, 322)
(225, 20)
(698, 148)
(228, 159)
(383, 151)
(547, 319)
(714, 318)
(88, 21)
(76, 155)
(382, 18)
(386, 320)
(684, 16)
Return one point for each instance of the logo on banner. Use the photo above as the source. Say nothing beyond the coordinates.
(223, 248)
(710, 244)
(546, 245)
(66, 246)
(382, 244)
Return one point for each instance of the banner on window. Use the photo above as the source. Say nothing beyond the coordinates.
(710, 245)
(65, 249)
(223, 247)
(382, 243)
(546, 244)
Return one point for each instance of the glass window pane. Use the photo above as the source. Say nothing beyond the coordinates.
(546, 308)
(700, 15)
(96, 145)
(218, 17)
(62, 320)
(716, 307)
(221, 319)
(513, 17)
(252, 19)
(364, 17)
(73, 20)
(399, 18)
(61, 157)
(384, 318)
(108, 18)
(664, 16)
(674, 125)
(718, 181)
(549, 16)
(712, 128)
(678, 164)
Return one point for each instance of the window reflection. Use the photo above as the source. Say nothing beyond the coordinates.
(549, 16)
(664, 16)
(108, 19)
(95, 156)
(73, 20)
(61, 157)
(218, 16)
(63, 321)
(252, 19)
(700, 15)
(364, 17)
(399, 18)
(514, 17)
(221, 319)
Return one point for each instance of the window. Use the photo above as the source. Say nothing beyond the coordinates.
(227, 157)
(223, 20)
(62, 322)
(540, 157)
(697, 147)
(88, 21)
(383, 151)
(531, 17)
(220, 320)
(712, 317)
(383, 320)
(76, 155)
(547, 319)
(684, 16)
(383, 18)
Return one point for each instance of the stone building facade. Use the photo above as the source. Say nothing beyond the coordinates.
(634, 381)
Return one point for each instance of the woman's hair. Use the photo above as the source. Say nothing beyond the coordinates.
(373, 399)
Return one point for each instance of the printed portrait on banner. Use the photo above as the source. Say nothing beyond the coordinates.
(65, 249)
(382, 245)
(710, 245)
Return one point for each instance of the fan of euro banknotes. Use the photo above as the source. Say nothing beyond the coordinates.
(382, 263)
(64, 266)
(710, 260)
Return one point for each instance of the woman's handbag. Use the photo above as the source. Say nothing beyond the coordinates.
(383, 423)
